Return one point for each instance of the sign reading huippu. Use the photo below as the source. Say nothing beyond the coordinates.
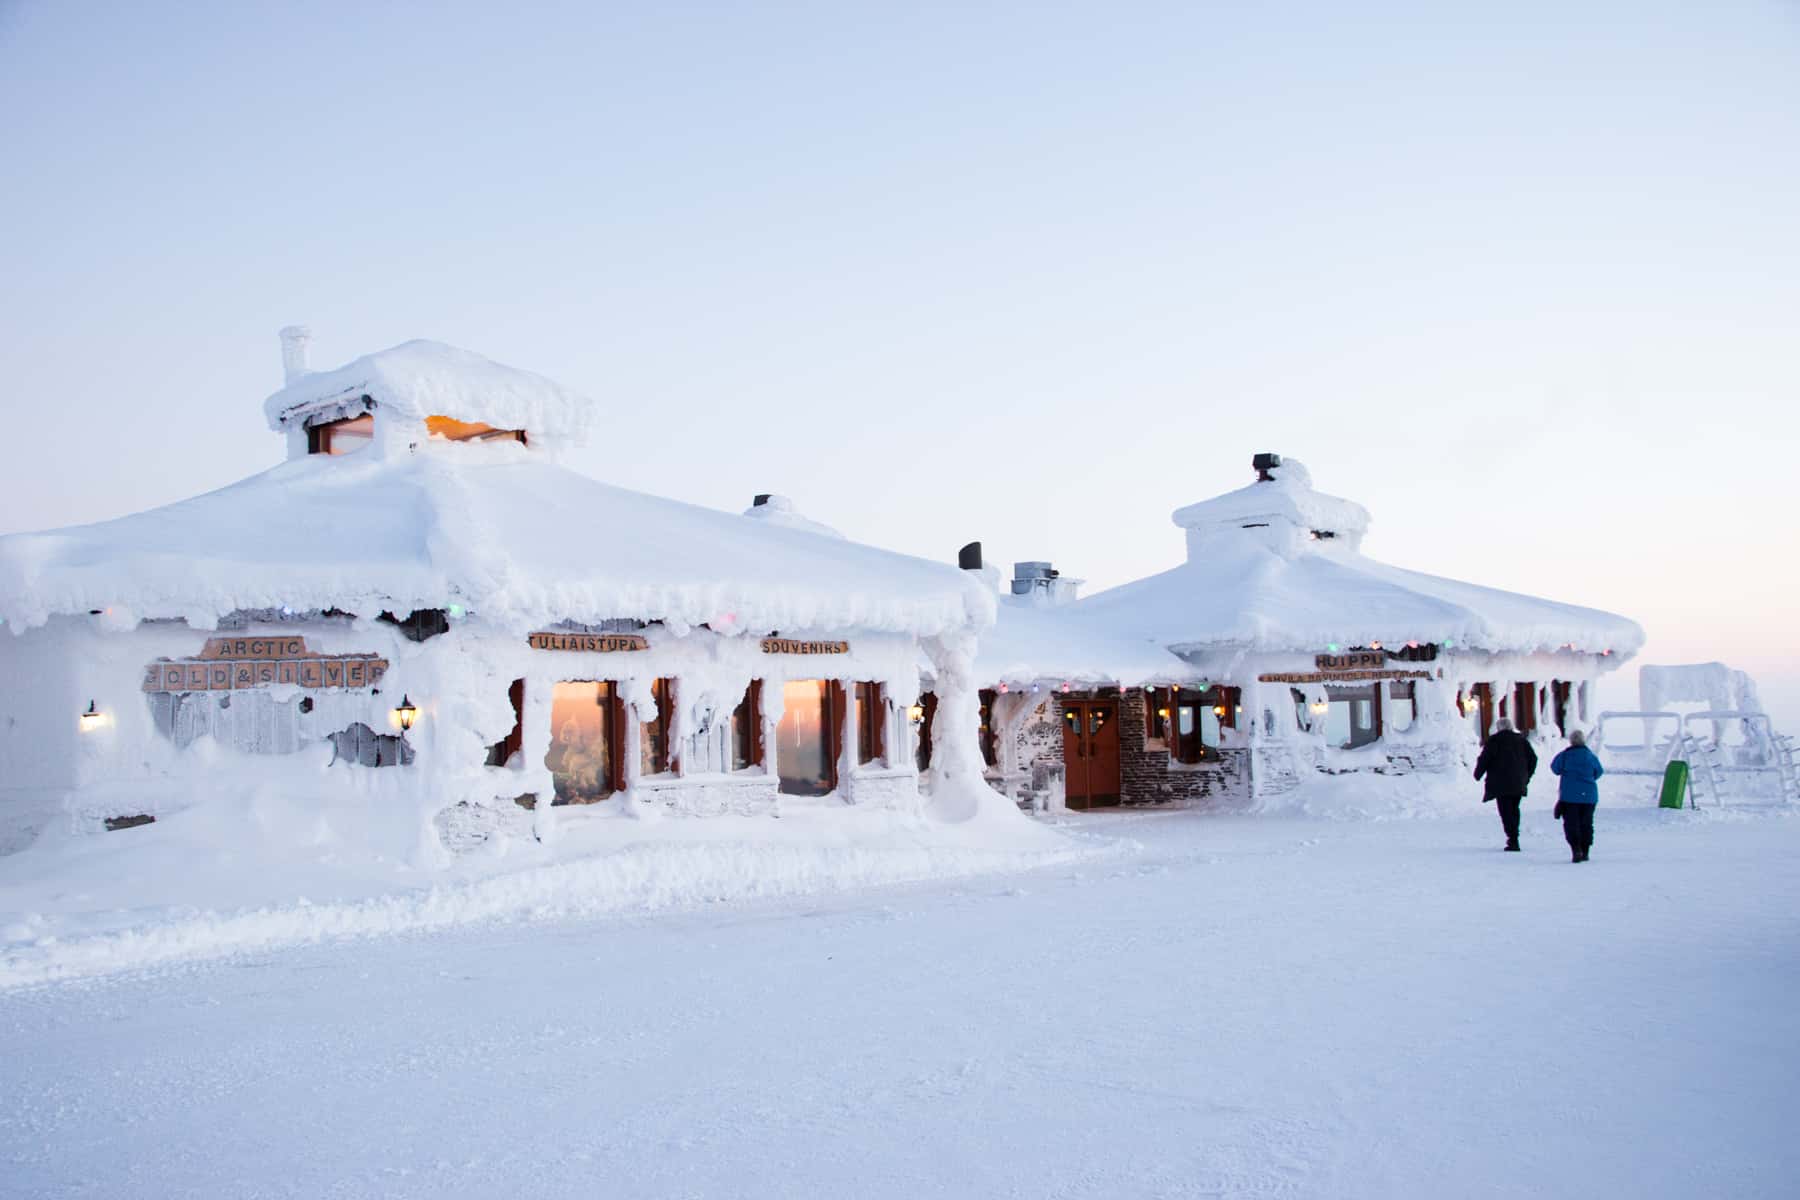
(588, 643)
(775, 645)
(1356, 660)
(234, 663)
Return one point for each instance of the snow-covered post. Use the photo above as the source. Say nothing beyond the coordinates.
(958, 791)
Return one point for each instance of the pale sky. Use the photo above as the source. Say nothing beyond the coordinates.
(1522, 278)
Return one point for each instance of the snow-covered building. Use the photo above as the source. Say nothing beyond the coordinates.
(1276, 648)
(423, 586)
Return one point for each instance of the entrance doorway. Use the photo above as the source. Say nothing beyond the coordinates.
(1091, 753)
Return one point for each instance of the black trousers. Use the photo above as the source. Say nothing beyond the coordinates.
(1509, 815)
(1578, 826)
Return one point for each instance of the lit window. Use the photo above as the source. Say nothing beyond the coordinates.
(341, 437)
(469, 431)
(584, 726)
(806, 738)
(1156, 713)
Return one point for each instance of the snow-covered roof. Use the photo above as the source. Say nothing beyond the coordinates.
(1032, 641)
(1258, 578)
(1287, 496)
(496, 527)
(420, 379)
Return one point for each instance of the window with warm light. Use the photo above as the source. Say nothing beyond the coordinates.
(1156, 714)
(657, 754)
(806, 738)
(341, 437)
(453, 430)
(584, 734)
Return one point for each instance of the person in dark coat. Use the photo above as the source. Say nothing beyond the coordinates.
(1507, 762)
(1579, 770)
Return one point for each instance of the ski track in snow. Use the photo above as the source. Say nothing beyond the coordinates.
(1230, 1006)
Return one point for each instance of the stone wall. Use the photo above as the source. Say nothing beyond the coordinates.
(1147, 775)
(1150, 776)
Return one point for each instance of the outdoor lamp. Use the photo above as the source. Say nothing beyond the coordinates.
(916, 714)
(406, 714)
(90, 720)
(1321, 706)
(1218, 710)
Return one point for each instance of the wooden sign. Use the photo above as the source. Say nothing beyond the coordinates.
(233, 664)
(1357, 661)
(1337, 676)
(772, 645)
(588, 643)
(255, 647)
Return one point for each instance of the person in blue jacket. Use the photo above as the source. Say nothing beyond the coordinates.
(1579, 770)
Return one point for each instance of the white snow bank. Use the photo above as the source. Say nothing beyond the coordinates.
(420, 379)
(97, 909)
(517, 539)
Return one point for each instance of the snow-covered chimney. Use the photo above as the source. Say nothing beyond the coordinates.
(293, 352)
(1044, 584)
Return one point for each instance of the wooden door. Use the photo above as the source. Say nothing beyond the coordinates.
(1091, 752)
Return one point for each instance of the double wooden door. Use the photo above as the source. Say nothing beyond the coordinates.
(1091, 752)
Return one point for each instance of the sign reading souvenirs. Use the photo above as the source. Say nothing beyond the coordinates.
(229, 663)
(1337, 676)
(774, 645)
(1356, 660)
(590, 643)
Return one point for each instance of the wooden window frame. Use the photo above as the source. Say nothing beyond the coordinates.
(752, 709)
(986, 738)
(922, 758)
(615, 736)
(871, 724)
(831, 716)
(663, 692)
(1525, 708)
(319, 437)
(1156, 724)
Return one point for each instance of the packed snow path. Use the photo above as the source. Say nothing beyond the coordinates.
(1246, 1007)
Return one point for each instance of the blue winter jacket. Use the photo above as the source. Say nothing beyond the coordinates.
(1578, 768)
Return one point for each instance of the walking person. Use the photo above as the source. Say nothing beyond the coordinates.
(1508, 762)
(1580, 770)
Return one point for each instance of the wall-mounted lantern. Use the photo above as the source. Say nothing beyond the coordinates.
(92, 718)
(916, 714)
(406, 713)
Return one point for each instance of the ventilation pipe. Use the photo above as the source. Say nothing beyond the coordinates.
(969, 557)
(293, 352)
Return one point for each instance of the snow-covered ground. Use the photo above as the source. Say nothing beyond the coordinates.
(1215, 1006)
